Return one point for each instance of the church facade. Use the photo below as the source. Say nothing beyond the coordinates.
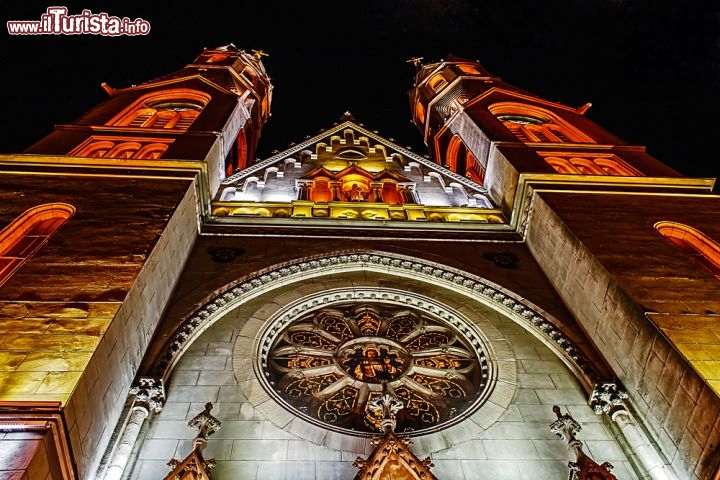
(535, 298)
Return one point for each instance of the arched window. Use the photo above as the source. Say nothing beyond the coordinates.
(241, 154)
(536, 125)
(562, 165)
(468, 69)
(389, 193)
(452, 154)
(124, 150)
(437, 82)
(419, 112)
(608, 164)
(249, 75)
(27, 233)
(175, 109)
(474, 169)
(696, 244)
(321, 191)
(587, 166)
(461, 160)
(615, 166)
(151, 151)
(96, 148)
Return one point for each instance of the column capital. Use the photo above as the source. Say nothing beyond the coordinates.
(149, 393)
(608, 397)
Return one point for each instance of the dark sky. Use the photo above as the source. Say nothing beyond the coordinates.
(650, 68)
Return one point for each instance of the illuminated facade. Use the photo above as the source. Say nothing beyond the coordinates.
(534, 297)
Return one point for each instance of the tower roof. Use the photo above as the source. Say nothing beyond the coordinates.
(226, 66)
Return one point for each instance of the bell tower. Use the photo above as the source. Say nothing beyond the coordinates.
(211, 111)
(494, 133)
(109, 206)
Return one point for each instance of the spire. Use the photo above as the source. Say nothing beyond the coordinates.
(195, 465)
(392, 457)
(584, 467)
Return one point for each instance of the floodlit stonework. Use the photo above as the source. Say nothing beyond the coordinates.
(171, 305)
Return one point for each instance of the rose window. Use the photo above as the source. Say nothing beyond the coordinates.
(328, 366)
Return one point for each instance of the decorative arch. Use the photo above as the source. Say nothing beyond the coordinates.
(437, 82)
(151, 151)
(420, 112)
(321, 190)
(587, 165)
(468, 69)
(519, 309)
(452, 154)
(462, 161)
(696, 244)
(24, 236)
(390, 194)
(530, 123)
(241, 154)
(95, 149)
(124, 150)
(615, 166)
(109, 148)
(167, 109)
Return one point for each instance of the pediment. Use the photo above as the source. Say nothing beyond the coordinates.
(392, 458)
(363, 175)
(319, 172)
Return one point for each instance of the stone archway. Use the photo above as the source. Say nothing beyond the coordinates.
(218, 358)
(434, 275)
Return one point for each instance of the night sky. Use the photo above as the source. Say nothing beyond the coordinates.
(651, 69)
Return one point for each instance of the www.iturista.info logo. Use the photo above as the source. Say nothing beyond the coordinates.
(56, 21)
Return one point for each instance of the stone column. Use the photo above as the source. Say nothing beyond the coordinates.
(408, 193)
(608, 398)
(304, 187)
(149, 398)
(337, 193)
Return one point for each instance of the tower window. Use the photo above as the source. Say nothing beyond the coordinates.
(437, 82)
(468, 69)
(249, 74)
(597, 164)
(532, 124)
(693, 242)
(461, 160)
(521, 119)
(110, 147)
(27, 233)
(176, 109)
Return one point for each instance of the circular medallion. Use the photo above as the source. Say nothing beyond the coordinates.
(373, 359)
(332, 366)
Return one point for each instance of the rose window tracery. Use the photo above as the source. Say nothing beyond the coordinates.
(329, 366)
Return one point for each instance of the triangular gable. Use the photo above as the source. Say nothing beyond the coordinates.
(388, 175)
(299, 151)
(392, 458)
(349, 172)
(192, 467)
(319, 172)
(189, 81)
